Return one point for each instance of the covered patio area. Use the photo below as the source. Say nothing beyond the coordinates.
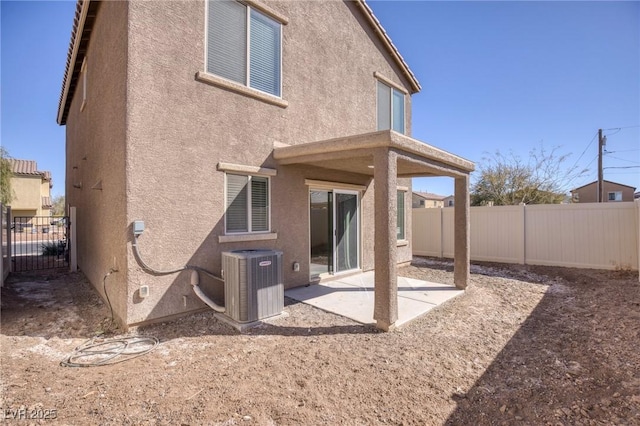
(387, 156)
(353, 297)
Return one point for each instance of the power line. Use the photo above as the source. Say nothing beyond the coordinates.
(591, 162)
(623, 167)
(624, 159)
(624, 127)
(624, 150)
(585, 150)
(623, 173)
(578, 160)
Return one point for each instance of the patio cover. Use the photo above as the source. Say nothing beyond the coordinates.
(387, 155)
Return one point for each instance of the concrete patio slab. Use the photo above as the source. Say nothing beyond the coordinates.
(352, 297)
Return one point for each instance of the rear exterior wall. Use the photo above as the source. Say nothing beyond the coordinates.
(179, 129)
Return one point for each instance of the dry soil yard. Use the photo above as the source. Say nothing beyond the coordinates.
(523, 345)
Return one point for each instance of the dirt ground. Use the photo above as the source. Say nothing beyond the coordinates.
(523, 345)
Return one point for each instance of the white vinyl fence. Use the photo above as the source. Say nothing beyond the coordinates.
(593, 235)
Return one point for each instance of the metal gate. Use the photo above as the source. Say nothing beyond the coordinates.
(39, 242)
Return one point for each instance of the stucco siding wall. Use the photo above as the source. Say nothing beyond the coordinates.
(26, 191)
(179, 129)
(589, 194)
(96, 156)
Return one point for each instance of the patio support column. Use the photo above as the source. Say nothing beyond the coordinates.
(461, 235)
(385, 170)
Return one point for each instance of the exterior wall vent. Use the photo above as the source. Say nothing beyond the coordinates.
(253, 288)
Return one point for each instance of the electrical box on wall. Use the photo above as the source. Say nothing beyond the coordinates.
(144, 291)
(138, 227)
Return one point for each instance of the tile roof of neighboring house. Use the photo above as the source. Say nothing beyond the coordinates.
(430, 196)
(24, 167)
(28, 167)
(46, 202)
(85, 15)
(608, 181)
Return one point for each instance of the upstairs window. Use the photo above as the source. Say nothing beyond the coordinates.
(247, 204)
(615, 196)
(390, 108)
(244, 45)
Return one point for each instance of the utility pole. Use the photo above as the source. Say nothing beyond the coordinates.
(602, 141)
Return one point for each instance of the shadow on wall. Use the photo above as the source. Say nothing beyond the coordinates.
(562, 362)
(292, 200)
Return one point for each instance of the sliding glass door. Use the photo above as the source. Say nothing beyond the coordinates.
(335, 231)
(346, 240)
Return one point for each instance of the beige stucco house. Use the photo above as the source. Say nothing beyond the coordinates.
(31, 190)
(426, 200)
(232, 125)
(611, 192)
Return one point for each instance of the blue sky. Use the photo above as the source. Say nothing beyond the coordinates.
(496, 76)
(508, 75)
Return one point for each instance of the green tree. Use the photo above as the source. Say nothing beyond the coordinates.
(58, 205)
(6, 172)
(508, 180)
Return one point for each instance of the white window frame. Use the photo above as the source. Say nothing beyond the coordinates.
(249, 207)
(617, 196)
(281, 21)
(392, 90)
(404, 218)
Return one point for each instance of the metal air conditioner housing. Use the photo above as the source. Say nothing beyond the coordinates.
(253, 288)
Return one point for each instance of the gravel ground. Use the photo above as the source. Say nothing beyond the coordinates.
(523, 345)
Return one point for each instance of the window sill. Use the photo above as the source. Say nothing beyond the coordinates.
(402, 243)
(223, 83)
(240, 238)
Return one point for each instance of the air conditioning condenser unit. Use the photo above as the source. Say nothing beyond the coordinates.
(253, 288)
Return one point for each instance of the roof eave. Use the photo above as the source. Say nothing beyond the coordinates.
(391, 48)
(82, 11)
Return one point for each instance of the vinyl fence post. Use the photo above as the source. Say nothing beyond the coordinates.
(73, 253)
(441, 233)
(523, 259)
(637, 203)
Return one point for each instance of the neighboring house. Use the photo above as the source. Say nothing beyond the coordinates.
(422, 200)
(239, 125)
(612, 192)
(449, 201)
(31, 190)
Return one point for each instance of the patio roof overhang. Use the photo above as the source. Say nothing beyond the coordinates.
(387, 155)
(355, 154)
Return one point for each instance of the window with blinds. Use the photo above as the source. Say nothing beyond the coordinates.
(390, 108)
(244, 45)
(247, 204)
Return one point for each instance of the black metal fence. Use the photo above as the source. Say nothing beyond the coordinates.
(39, 242)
